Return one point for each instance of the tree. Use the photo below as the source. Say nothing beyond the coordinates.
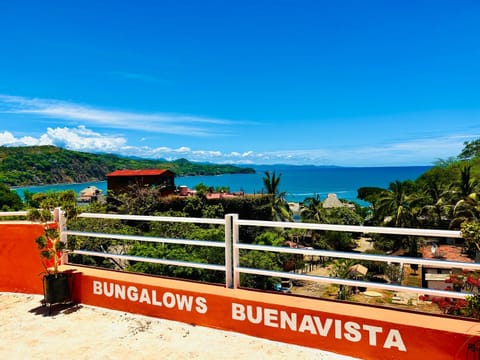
(467, 184)
(436, 211)
(279, 206)
(370, 194)
(397, 206)
(313, 210)
(138, 200)
(342, 269)
(188, 253)
(468, 207)
(202, 189)
(445, 163)
(471, 150)
(265, 260)
(471, 233)
(9, 200)
(67, 200)
(343, 216)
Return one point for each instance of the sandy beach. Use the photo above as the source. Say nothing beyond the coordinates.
(85, 332)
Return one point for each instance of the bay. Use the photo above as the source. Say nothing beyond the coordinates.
(299, 182)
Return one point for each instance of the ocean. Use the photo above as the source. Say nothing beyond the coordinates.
(299, 182)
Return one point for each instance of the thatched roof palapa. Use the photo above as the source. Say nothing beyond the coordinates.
(332, 202)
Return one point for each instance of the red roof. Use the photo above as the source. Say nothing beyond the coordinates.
(147, 172)
(446, 252)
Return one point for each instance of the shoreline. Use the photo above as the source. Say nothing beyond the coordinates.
(298, 183)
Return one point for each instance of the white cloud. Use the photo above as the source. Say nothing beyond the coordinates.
(79, 138)
(183, 149)
(82, 138)
(419, 152)
(8, 139)
(157, 122)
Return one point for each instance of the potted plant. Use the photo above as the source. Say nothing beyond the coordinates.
(52, 248)
(56, 286)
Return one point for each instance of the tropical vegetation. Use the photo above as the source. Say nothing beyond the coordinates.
(445, 197)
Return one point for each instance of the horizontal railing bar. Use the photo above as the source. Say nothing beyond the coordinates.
(360, 256)
(358, 283)
(147, 239)
(353, 228)
(153, 218)
(13, 213)
(150, 260)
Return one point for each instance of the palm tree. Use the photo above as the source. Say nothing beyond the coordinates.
(437, 212)
(465, 210)
(279, 206)
(313, 210)
(468, 207)
(397, 206)
(467, 184)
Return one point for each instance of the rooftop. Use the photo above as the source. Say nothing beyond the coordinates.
(141, 172)
(27, 333)
(445, 252)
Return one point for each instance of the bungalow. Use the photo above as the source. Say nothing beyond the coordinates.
(120, 181)
(90, 194)
(332, 201)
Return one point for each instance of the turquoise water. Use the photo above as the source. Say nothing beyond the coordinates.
(298, 182)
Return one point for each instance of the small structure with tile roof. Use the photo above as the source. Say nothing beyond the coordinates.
(433, 277)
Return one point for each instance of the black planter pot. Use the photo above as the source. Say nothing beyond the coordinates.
(56, 288)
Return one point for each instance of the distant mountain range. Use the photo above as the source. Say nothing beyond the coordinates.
(280, 167)
(38, 165)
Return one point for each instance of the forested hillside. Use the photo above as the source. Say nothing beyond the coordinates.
(34, 165)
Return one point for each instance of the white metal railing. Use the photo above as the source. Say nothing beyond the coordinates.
(13, 213)
(140, 238)
(348, 255)
(233, 245)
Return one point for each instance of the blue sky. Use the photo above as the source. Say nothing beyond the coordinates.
(352, 83)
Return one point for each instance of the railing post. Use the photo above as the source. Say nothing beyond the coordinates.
(228, 251)
(235, 251)
(59, 218)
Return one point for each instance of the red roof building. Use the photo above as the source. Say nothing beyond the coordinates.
(121, 180)
(434, 277)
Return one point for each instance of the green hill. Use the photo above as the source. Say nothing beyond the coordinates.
(35, 165)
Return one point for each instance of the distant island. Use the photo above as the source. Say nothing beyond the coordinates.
(43, 165)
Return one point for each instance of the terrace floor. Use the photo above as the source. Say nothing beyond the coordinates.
(85, 332)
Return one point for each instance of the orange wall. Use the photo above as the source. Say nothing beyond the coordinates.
(349, 329)
(20, 263)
